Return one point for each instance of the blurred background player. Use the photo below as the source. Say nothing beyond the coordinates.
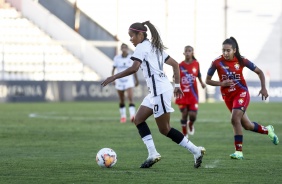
(235, 93)
(188, 104)
(150, 57)
(121, 63)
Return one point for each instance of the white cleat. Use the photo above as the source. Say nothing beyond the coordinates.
(198, 158)
(151, 160)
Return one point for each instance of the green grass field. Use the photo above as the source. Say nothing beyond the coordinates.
(58, 142)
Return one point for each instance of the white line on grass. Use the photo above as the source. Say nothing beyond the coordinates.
(212, 165)
(57, 116)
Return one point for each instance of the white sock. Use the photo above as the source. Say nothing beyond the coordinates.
(132, 111)
(148, 141)
(190, 146)
(122, 111)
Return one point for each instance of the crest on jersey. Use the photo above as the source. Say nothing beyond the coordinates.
(241, 101)
(194, 70)
(237, 66)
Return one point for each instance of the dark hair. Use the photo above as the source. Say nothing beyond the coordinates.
(156, 39)
(232, 41)
(193, 57)
(123, 44)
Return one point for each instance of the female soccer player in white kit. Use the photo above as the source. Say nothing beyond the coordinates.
(121, 63)
(150, 57)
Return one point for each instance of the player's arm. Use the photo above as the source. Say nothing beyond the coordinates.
(113, 71)
(211, 82)
(202, 83)
(200, 79)
(133, 69)
(263, 90)
(176, 73)
(136, 79)
(260, 73)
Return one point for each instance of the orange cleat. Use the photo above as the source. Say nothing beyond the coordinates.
(123, 119)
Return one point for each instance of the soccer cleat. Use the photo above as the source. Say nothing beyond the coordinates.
(123, 119)
(191, 128)
(198, 160)
(151, 160)
(272, 135)
(237, 155)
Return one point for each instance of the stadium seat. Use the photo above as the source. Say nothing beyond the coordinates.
(30, 54)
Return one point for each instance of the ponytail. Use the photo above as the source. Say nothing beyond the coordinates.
(156, 39)
(232, 41)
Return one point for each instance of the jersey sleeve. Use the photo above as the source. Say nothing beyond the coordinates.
(249, 64)
(165, 56)
(138, 54)
(212, 69)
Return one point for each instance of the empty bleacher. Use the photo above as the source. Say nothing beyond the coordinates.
(27, 53)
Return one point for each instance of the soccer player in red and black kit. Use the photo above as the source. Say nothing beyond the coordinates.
(235, 93)
(188, 104)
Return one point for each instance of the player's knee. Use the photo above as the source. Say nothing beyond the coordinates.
(137, 120)
(192, 118)
(164, 130)
(235, 120)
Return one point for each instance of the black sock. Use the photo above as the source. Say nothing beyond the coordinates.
(143, 129)
(175, 135)
(183, 122)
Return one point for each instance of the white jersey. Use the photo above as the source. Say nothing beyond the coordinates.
(152, 67)
(121, 64)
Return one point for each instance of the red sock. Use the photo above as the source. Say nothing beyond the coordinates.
(184, 129)
(184, 126)
(238, 142)
(259, 128)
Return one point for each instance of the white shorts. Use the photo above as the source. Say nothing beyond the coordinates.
(124, 84)
(160, 104)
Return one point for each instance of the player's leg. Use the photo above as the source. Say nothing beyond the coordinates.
(184, 116)
(162, 110)
(141, 116)
(193, 109)
(255, 127)
(236, 115)
(122, 108)
(192, 119)
(131, 104)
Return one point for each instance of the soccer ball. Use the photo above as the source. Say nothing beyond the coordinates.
(106, 157)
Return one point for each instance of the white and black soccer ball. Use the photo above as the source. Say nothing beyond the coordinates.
(106, 157)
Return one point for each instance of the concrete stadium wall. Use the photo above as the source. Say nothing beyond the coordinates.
(72, 41)
(88, 29)
(32, 91)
